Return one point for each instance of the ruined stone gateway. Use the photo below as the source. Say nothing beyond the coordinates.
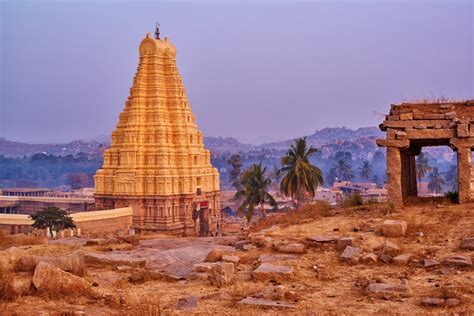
(157, 162)
(411, 126)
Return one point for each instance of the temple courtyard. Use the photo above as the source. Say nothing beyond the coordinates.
(369, 258)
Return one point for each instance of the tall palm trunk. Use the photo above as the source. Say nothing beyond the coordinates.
(262, 207)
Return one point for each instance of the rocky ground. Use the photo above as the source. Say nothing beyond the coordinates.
(360, 260)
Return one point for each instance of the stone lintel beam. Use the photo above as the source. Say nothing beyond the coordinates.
(429, 133)
(394, 176)
(399, 143)
(413, 123)
(462, 142)
(464, 174)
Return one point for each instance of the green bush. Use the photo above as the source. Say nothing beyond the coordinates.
(353, 200)
(453, 196)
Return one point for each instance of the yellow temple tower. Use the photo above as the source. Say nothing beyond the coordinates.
(157, 162)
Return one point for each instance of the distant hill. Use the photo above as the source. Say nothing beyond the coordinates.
(18, 149)
(326, 139)
(332, 135)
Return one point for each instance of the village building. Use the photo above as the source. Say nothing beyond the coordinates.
(411, 126)
(157, 163)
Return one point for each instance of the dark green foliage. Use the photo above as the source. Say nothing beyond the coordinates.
(341, 170)
(365, 171)
(435, 181)
(53, 218)
(235, 164)
(254, 191)
(353, 200)
(300, 176)
(42, 170)
(453, 196)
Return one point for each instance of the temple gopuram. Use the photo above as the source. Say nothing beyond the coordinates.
(157, 162)
(411, 126)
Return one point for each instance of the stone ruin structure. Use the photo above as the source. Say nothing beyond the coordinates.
(411, 126)
(157, 162)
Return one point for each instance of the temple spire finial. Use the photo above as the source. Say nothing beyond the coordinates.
(157, 30)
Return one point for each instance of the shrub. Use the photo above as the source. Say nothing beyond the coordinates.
(453, 196)
(353, 200)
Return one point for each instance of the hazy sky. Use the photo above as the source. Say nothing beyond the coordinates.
(254, 70)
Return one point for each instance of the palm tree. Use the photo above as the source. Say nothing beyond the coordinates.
(300, 176)
(254, 190)
(341, 170)
(422, 167)
(365, 171)
(435, 181)
(451, 177)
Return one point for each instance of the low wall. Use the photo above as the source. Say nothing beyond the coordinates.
(30, 205)
(95, 223)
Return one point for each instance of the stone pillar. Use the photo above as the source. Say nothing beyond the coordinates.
(394, 176)
(464, 174)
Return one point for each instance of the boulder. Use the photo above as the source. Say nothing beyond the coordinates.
(231, 258)
(385, 258)
(457, 261)
(467, 243)
(390, 248)
(10, 257)
(351, 254)
(214, 255)
(432, 302)
(248, 247)
(270, 272)
(430, 263)
(16, 284)
(265, 303)
(451, 302)
(51, 280)
(222, 274)
(294, 248)
(187, 302)
(344, 242)
(402, 259)
(277, 293)
(203, 267)
(394, 228)
(73, 263)
(389, 291)
(369, 258)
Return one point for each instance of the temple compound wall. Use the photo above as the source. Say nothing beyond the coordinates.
(411, 126)
(157, 163)
(95, 223)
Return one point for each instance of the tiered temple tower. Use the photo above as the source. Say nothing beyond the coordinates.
(157, 162)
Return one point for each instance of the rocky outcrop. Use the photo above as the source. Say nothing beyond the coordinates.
(53, 281)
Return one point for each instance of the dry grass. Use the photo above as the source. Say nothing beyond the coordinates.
(21, 240)
(292, 217)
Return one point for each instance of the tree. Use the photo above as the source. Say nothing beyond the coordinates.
(451, 177)
(365, 171)
(341, 170)
(275, 175)
(53, 218)
(254, 190)
(435, 181)
(235, 163)
(422, 167)
(300, 176)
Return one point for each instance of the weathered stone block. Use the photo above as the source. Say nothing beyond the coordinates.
(268, 271)
(463, 130)
(405, 143)
(429, 116)
(406, 116)
(222, 274)
(429, 133)
(394, 228)
(467, 243)
(451, 115)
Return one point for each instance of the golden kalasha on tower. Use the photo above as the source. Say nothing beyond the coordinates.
(157, 162)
